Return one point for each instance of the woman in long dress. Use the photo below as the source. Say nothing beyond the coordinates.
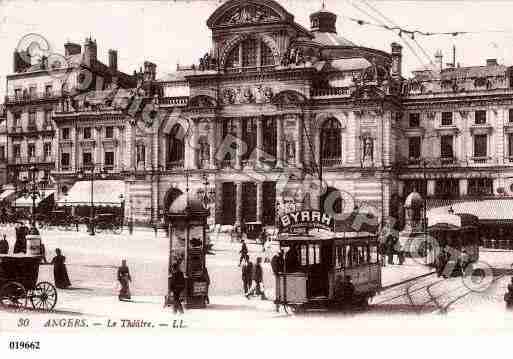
(124, 279)
(60, 273)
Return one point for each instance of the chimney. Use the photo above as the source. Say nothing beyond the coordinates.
(150, 71)
(491, 62)
(397, 59)
(113, 60)
(439, 59)
(71, 48)
(20, 59)
(90, 52)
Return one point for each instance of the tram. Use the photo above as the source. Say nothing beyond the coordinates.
(458, 231)
(316, 264)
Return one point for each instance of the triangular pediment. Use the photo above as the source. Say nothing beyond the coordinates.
(244, 12)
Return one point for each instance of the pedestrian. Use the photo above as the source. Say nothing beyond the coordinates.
(441, 263)
(267, 251)
(42, 249)
(206, 279)
(20, 246)
(292, 260)
(263, 239)
(258, 278)
(247, 274)
(60, 273)
(508, 296)
(4, 245)
(277, 262)
(389, 244)
(177, 285)
(243, 252)
(124, 279)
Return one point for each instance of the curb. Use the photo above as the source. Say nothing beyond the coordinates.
(407, 280)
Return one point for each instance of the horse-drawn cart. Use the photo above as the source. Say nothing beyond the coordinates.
(19, 285)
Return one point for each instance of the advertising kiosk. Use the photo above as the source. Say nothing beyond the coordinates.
(187, 223)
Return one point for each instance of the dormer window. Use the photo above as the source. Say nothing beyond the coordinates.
(249, 55)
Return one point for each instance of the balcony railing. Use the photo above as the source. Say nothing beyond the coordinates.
(31, 159)
(331, 92)
(174, 165)
(37, 96)
(332, 162)
(178, 101)
(480, 159)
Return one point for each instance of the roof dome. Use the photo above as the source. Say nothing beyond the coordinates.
(414, 200)
(181, 205)
(323, 21)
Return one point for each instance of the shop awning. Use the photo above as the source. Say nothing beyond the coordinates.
(27, 202)
(6, 194)
(105, 193)
(500, 210)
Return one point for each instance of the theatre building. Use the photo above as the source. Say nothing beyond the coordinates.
(247, 127)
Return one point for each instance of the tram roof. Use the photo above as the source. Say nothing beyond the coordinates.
(493, 210)
(321, 235)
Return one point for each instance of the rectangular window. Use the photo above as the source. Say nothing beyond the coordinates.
(446, 143)
(47, 150)
(2, 153)
(48, 90)
(16, 119)
(480, 117)
(16, 150)
(65, 133)
(48, 118)
(414, 120)
(141, 153)
(109, 132)
(87, 133)
(480, 186)
(65, 160)
(33, 91)
(17, 94)
(87, 159)
(31, 149)
(510, 115)
(510, 144)
(480, 145)
(109, 158)
(447, 188)
(446, 118)
(32, 119)
(266, 55)
(414, 144)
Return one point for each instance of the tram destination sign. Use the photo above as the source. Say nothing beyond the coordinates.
(304, 220)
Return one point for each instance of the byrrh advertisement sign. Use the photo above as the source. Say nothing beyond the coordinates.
(302, 220)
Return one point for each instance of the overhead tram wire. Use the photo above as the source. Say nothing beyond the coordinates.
(383, 25)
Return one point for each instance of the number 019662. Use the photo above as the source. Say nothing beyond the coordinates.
(23, 345)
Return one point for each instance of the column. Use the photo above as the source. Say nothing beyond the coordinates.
(238, 135)
(193, 146)
(155, 150)
(299, 141)
(431, 187)
(213, 142)
(56, 151)
(259, 203)
(238, 203)
(119, 148)
(73, 154)
(279, 141)
(307, 154)
(98, 149)
(463, 187)
(259, 145)
(131, 147)
(400, 188)
(219, 202)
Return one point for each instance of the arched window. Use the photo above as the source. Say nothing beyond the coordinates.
(331, 142)
(250, 55)
(175, 147)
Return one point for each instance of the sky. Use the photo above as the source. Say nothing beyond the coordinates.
(175, 31)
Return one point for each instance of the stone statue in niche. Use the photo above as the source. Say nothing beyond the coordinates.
(368, 150)
(290, 150)
(228, 96)
(247, 96)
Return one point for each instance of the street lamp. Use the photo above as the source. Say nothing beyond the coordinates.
(31, 189)
(122, 202)
(81, 174)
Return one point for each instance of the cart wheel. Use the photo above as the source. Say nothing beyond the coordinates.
(44, 296)
(13, 295)
(116, 229)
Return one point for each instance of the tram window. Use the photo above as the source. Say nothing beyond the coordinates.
(304, 255)
(338, 257)
(314, 254)
(373, 252)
